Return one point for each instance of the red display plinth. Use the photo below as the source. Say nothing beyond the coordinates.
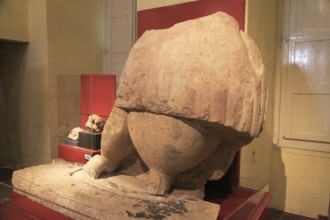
(72, 153)
(243, 203)
(249, 200)
(19, 207)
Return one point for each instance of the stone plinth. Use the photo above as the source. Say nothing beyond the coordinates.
(64, 187)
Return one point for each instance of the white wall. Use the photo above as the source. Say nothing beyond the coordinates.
(300, 182)
(41, 96)
(76, 45)
(260, 24)
(13, 20)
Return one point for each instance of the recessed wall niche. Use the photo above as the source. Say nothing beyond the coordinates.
(12, 76)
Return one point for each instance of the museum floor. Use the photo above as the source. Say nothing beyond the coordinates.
(5, 177)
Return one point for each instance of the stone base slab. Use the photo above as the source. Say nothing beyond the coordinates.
(64, 187)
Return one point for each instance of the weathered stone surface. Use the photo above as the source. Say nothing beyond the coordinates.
(189, 98)
(205, 69)
(213, 168)
(81, 197)
(116, 145)
(169, 146)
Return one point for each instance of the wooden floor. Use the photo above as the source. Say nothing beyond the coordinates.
(279, 215)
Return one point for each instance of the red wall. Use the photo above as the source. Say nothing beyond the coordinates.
(165, 17)
(98, 92)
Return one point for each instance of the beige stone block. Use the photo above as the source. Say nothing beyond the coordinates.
(204, 69)
(81, 197)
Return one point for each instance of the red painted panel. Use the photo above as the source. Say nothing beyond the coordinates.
(165, 17)
(103, 94)
(98, 93)
(86, 93)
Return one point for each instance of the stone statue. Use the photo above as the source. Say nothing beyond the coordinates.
(189, 98)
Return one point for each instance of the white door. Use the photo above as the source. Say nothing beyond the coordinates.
(120, 34)
(305, 79)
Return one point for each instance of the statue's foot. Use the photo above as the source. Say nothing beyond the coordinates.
(158, 183)
(98, 165)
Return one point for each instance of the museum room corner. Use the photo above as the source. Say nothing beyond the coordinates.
(167, 109)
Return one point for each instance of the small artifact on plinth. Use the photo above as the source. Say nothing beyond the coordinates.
(91, 137)
(73, 136)
(95, 123)
(189, 98)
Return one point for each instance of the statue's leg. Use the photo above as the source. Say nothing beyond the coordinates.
(213, 168)
(169, 146)
(115, 145)
(158, 183)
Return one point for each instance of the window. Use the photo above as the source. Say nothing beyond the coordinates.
(304, 105)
